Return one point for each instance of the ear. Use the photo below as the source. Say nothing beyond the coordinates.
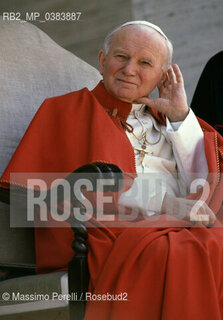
(101, 61)
(163, 78)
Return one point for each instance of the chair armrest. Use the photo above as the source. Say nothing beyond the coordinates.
(78, 272)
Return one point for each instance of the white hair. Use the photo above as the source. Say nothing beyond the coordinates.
(108, 39)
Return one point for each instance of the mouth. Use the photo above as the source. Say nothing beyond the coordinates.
(127, 82)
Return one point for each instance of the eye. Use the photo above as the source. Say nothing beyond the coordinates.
(121, 57)
(145, 62)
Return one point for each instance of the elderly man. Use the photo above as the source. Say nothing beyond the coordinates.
(161, 272)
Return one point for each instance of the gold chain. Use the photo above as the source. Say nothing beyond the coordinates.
(145, 139)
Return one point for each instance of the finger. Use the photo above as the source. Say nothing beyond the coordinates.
(166, 79)
(206, 221)
(178, 74)
(200, 212)
(145, 100)
(152, 103)
(212, 218)
(208, 218)
(171, 75)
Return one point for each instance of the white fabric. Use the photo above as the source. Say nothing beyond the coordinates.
(187, 140)
(145, 23)
(177, 159)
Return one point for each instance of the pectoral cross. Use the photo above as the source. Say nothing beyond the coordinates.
(142, 152)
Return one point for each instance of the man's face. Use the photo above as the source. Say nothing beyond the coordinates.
(133, 66)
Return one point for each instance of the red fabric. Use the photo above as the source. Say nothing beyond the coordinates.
(72, 130)
(173, 272)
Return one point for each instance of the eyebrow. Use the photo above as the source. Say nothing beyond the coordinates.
(120, 50)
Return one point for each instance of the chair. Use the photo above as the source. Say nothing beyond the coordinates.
(33, 68)
(78, 274)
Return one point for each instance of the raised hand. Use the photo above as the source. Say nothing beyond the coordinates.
(172, 99)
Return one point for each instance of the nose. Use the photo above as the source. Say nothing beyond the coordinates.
(130, 68)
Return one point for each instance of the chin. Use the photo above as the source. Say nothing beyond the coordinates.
(129, 100)
(125, 96)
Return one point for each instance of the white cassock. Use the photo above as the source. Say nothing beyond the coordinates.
(173, 157)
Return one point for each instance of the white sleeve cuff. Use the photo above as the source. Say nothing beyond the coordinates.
(174, 126)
